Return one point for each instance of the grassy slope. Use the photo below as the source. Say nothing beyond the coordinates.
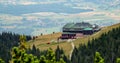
(41, 41)
(96, 35)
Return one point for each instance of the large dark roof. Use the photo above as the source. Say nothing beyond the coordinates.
(78, 25)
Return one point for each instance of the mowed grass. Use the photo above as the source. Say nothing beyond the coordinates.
(45, 39)
(41, 41)
(85, 40)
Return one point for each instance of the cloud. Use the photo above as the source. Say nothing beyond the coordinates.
(41, 14)
(86, 5)
(68, 4)
(29, 2)
(90, 20)
(86, 15)
(82, 5)
(10, 19)
(111, 2)
(8, 27)
(113, 16)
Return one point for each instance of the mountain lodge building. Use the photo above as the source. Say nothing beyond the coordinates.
(75, 30)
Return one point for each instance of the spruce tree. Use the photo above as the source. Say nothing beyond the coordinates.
(98, 58)
(118, 60)
(1, 61)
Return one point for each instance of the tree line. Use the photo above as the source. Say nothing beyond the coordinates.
(13, 49)
(7, 41)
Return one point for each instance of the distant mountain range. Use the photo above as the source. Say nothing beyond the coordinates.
(33, 17)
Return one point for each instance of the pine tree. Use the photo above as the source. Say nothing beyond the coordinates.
(1, 61)
(50, 56)
(118, 60)
(23, 42)
(42, 59)
(98, 58)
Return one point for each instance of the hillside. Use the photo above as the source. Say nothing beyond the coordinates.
(105, 49)
(96, 35)
(41, 41)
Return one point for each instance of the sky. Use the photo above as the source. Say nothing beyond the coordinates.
(33, 17)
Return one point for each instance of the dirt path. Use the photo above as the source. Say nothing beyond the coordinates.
(72, 44)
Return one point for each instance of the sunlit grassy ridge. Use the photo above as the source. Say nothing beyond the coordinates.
(84, 40)
(41, 41)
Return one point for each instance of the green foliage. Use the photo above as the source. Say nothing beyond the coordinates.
(58, 53)
(20, 56)
(1, 61)
(9, 40)
(22, 38)
(50, 58)
(23, 42)
(42, 59)
(98, 58)
(118, 60)
(61, 61)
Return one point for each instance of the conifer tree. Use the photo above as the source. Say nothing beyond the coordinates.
(118, 60)
(1, 61)
(98, 58)
(22, 42)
